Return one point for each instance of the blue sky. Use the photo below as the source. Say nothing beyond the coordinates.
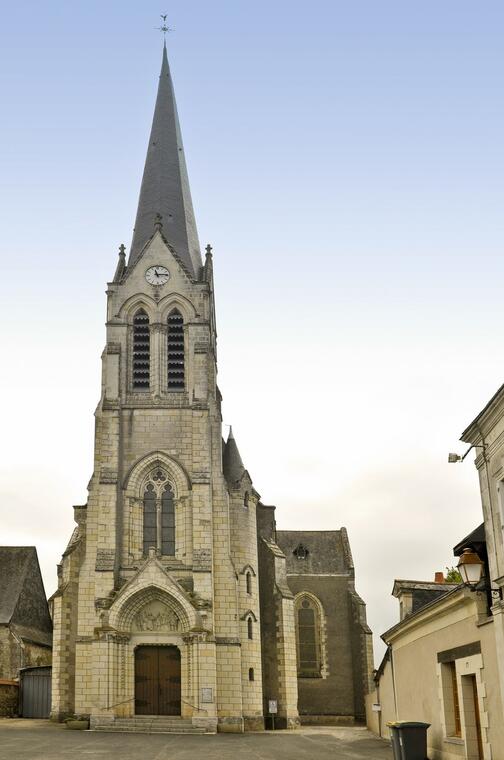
(346, 163)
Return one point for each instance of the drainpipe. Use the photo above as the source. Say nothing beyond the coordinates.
(394, 688)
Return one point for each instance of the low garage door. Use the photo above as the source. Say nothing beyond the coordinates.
(35, 686)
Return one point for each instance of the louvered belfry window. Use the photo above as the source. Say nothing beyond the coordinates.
(176, 369)
(141, 351)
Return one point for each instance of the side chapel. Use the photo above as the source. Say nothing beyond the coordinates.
(177, 597)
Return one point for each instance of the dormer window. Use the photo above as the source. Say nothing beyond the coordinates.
(141, 352)
(301, 552)
(176, 359)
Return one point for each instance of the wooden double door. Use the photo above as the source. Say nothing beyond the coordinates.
(157, 680)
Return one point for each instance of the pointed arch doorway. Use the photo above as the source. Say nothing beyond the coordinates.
(157, 680)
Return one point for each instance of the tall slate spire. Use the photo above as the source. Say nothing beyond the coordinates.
(165, 184)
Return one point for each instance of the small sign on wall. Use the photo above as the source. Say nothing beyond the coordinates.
(207, 695)
(273, 706)
(376, 707)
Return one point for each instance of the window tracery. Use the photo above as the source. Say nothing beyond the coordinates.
(159, 514)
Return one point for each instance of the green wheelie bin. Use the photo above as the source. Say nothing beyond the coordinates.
(409, 739)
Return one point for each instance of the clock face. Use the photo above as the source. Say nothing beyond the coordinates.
(157, 275)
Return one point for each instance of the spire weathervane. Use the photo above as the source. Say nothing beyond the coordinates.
(164, 28)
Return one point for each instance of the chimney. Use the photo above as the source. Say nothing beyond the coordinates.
(439, 577)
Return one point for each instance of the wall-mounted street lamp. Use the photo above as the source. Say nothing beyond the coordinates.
(470, 568)
(452, 458)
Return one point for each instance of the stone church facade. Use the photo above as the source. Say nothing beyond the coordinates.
(177, 597)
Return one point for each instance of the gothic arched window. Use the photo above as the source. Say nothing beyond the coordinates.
(248, 580)
(149, 519)
(141, 352)
(308, 638)
(159, 515)
(167, 522)
(250, 628)
(176, 364)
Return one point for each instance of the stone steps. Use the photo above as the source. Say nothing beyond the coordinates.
(150, 725)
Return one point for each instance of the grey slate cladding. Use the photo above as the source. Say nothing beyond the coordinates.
(232, 463)
(165, 184)
(326, 551)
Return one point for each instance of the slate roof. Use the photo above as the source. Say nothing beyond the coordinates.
(14, 562)
(165, 184)
(22, 597)
(422, 592)
(328, 551)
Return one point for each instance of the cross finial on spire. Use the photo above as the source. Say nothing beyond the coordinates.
(209, 250)
(158, 223)
(122, 250)
(164, 28)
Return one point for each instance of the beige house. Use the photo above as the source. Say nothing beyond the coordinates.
(441, 668)
(445, 660)
(486, 435)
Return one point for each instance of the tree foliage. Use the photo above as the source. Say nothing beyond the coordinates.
(452, 575)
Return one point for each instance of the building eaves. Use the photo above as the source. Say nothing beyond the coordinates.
(476, 537)
(412, 619)
(405, 585)
(472, 432)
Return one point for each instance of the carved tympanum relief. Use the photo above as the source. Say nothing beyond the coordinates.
(156, 616)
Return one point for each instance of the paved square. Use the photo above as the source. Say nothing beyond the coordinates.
(41, 740)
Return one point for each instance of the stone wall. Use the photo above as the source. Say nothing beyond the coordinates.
(9, 698)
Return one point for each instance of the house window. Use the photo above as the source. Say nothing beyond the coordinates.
(159, 515)
(451, 699)
(176, 363)
(250, 629)
(141, 352)
(456, 703)
(308, 638)
(248, 580)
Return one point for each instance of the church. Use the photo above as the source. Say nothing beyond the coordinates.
(180, 606)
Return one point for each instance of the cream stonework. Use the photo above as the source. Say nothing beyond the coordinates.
(158, 607)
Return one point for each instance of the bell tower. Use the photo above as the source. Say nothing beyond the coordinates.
(155, 561)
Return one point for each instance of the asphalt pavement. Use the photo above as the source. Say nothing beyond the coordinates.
(24, 739)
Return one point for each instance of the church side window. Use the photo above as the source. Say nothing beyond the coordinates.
(149, 519)
(250, 628)
(141, 351)
(248, 579)
(176, 365)
(167, 522)
(307, 620)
